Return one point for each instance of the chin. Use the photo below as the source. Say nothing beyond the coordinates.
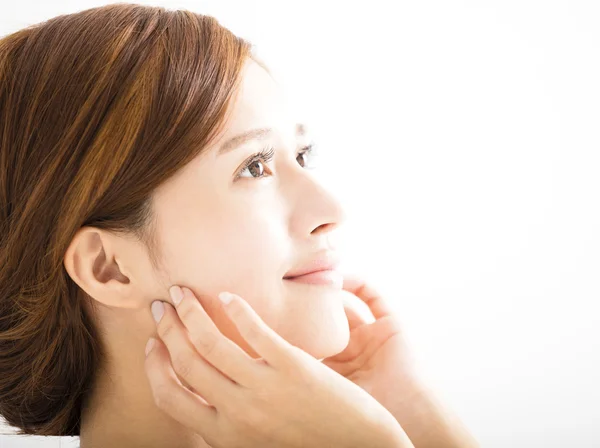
(324, 330)
(333, 346)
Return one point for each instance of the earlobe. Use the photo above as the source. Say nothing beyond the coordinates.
(91, 264)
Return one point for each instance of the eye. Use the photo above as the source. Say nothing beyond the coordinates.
(305, 155)
(255, 165)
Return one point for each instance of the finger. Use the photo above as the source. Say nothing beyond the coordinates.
(275, 350)
(364, 291)
(189, 364)
(173, 398)
(355, 318)
(220, 351)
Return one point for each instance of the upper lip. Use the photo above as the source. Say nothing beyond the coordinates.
(324, 261)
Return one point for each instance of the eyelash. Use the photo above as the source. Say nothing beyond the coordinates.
(266, 155)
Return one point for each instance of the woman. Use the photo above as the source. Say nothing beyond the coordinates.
(144, 149)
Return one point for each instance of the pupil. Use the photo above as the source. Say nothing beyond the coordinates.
(254, 165)
(301, 162)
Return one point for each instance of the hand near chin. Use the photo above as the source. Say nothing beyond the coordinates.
(377, 357)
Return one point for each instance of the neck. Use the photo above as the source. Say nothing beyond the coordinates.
(120, 410)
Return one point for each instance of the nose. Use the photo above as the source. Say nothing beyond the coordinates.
(317, 211)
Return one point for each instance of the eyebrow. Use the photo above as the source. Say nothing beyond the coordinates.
(254, 134)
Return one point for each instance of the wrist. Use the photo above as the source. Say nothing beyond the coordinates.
(428, 422)
(402, 399)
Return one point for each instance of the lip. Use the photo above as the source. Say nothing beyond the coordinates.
(328, 277)
(327, 261)
(322, 269)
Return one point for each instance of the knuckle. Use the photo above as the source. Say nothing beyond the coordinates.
(248, 421)
(183, 364)
(252, 329)
(237, 311)
(166, 331)
(186, 311)
(206, 343)
(252, 333)
(268, 393)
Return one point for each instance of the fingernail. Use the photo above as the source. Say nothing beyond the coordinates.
(149, 345)
(158, 309)
(225, 297)
(176, 294)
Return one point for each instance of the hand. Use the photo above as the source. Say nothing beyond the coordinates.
(379, 360)
(286, 398)
(377, 357)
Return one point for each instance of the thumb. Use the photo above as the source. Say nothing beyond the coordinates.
(353, 314)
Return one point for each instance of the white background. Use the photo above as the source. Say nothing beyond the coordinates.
(464, 139)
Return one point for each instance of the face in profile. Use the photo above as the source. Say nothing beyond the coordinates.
(247, 216)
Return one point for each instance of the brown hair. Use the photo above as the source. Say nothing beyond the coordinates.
(97, 109)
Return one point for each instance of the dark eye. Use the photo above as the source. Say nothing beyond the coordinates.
(305, 155)
(255, 166)
(255, 169)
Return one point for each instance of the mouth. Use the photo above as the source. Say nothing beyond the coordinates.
(321, 270)
(330, 277)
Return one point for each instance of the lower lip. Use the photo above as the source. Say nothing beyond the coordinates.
(328, 278)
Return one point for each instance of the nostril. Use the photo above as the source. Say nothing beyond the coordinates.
(323, 228)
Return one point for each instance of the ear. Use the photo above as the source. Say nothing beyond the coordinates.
(92, 261)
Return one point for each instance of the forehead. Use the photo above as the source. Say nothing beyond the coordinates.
(260, 102)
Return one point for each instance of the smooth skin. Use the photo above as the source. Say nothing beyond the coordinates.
(379, 360)
(284, 398)
(227, 221)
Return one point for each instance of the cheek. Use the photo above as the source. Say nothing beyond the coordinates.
(247, 257)
(250, 250)
(244, 253)
(239, 245)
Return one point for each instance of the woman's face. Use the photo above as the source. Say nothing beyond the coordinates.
(225, 226)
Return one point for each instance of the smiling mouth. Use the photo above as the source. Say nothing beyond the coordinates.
(328, 277)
